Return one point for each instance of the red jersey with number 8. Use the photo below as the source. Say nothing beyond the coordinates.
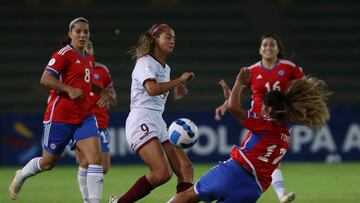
(263, 80)
(72, 69)
(263, 148)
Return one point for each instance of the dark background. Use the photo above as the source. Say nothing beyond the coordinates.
(214, 39)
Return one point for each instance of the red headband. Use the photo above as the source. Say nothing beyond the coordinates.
(155, 28)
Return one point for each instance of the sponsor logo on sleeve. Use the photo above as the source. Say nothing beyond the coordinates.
(96, 76)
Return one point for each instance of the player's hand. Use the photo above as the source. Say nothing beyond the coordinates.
(220, 111)
(107, 98)
(103, 103)
(226, 88)
(180, 91)
(74, 93)
(244, 76)
(187, 76)
(113, 99)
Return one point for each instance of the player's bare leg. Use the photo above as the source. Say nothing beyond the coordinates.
(82, 171)
(160, 172)
(33, 167)
(82, 175)
(181, 165)
(90, 148)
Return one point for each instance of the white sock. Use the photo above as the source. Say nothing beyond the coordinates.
(30, 169)
(95, 179)
(278, 183)
(82, 180)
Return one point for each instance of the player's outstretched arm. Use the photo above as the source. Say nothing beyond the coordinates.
(234, 105)
(226, 89)
(220, 110)
(154, 88)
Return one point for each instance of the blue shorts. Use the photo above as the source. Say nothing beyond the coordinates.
(57, 134)
(228, 182)
(104, 139)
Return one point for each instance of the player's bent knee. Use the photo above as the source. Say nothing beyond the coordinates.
(47, 166)
(162, 175)
(94, 159)
(83, 163)
(166, 175)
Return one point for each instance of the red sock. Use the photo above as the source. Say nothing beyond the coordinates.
(140, 189)
(182, 186)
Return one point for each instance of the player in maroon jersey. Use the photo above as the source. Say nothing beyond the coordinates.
(102, 80)
(247, 174)
(273, 72)
(69, 112)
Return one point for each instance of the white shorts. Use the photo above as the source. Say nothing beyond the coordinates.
(143, 125)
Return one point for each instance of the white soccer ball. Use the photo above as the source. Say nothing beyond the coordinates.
(183, 133)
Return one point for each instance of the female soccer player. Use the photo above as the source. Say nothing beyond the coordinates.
(247, 173)
(102, 80)
(68, 113)
(146, 131)
(273, 72)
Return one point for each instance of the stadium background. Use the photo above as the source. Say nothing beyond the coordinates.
(214, 39)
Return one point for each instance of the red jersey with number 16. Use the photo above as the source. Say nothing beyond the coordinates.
(101, 78)
(74, 70)
(263, 148)
(263, 80)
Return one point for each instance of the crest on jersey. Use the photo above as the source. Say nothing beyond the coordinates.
(91, 64)
(53, 146)
(96, 76)
(51, 62)
(147, 68)
(259, 77)
(78, 61)
(281, 73)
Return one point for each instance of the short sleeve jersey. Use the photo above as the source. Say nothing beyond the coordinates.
(263, 148)
(147, 68)
(278, 78)
(101, 78)
(74, 70)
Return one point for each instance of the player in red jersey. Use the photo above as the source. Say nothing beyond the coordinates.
(69, 112)
(102, 79)
(248, 172)
(273, 72)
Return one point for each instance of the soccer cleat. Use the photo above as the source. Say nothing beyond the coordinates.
(15, 186)
(113, 199)
(288, 197)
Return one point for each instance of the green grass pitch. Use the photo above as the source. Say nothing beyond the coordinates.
(313, 183)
